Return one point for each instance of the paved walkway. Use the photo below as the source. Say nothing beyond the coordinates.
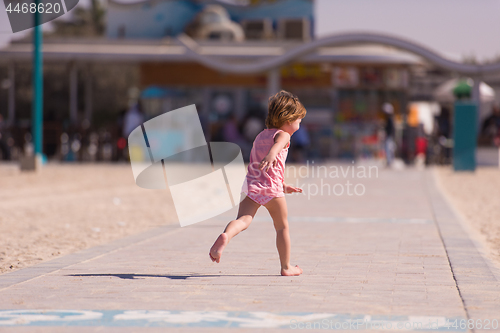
(393, 258)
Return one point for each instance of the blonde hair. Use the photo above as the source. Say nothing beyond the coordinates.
(284, 107)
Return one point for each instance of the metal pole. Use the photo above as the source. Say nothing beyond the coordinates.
(37, 104)
(88, 95)
(273, 81)
(73, 94)
(12, 94)
(239, 103)
(207, 100)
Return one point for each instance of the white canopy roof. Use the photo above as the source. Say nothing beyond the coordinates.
(444, 92)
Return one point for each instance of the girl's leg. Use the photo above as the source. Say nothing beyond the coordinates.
(278, 211)
(246, 212)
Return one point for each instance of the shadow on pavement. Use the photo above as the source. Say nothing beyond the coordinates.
(172, 277)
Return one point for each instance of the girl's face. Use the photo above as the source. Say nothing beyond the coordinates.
(292, 127)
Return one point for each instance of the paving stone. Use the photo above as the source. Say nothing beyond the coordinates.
(381, 264)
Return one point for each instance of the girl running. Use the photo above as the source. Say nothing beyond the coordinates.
(264, 184)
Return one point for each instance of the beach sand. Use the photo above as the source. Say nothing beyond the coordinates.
(476, 197)
(69, 207)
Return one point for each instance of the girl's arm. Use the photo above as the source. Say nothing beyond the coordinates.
(280, 141)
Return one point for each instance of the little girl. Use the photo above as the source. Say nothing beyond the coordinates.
(264, 184)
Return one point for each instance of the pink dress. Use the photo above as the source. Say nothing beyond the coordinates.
(262, 186)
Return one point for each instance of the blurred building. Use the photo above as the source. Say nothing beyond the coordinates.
(172, 50)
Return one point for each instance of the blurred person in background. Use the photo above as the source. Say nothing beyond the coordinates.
(300, 142)
(252, 125)
(444, 134)
(231, 133)
(121, 141)
(421, 146)
(490, 128)
(4, 147)
(443, 121)
(389, 144)
(132, 118)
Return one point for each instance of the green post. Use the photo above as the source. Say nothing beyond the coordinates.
(37, 99)
(464, 136)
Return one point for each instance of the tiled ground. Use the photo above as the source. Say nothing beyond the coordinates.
(380, 255)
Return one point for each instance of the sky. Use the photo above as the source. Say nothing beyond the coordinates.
(453, 28)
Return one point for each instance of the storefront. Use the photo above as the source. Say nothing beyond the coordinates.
(343, 101)
(342, 88)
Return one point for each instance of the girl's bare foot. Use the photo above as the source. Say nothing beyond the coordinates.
(219, 245)
(291, 271)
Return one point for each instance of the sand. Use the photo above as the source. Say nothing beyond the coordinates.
(69, 207)
(476, 197)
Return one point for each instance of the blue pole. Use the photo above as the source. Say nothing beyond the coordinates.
(37, 103)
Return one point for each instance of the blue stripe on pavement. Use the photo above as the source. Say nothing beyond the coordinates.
(161, 318)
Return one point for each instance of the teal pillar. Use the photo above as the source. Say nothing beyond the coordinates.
(464, 136)
(37, 99)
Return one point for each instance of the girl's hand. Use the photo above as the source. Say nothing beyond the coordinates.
(268, 162)
(292, 189)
